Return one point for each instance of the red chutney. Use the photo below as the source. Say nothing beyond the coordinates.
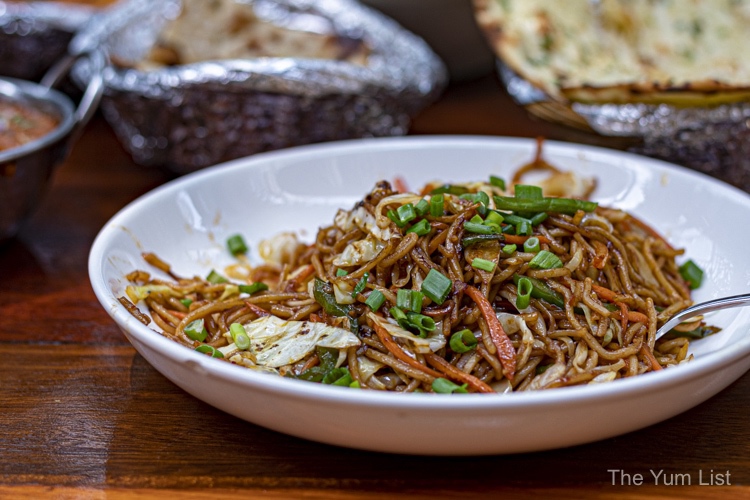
(20, 124)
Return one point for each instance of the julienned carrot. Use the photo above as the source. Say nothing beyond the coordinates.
(605, 293)
(637, 317)
(505, 351)
(399, 353)
(515, 239)
(601, 254)
(646, 351)
(456, 374)
(610, 296)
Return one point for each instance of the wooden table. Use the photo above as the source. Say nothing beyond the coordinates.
(81, 414)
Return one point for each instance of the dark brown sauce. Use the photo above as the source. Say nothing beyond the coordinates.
(20, 124)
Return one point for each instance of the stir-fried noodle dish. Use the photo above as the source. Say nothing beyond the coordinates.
(492, 286)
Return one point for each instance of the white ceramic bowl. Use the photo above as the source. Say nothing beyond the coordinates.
(186, 222)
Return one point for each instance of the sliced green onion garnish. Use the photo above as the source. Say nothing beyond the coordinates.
(436, 205)
(355, 385)
(395, 218)
(477, 219)
(483, 264)
(436, 286)
(399, 316)
(493, 217)
(422, 207)
(186, 302)
(473, 239)
(473, 227)
(406, 212)
(216, 278)
(341, 272)
(545, 260)
(523, 296)
(196, 330)
(509, 249)
(253, 288)
(236, 244)
(420, 321)
(559, 205)
(528, 192)
(542, 291)
(524, 228)
(239, 336)
(422, 228)
(375, 300)
(531, 245)
(450, 189)
(497, 182)
(515, 219)
(463, 341)
(692, 274)
(409, 300)
(445, 386)
(207, 349)
(360, 286)
(539, 218)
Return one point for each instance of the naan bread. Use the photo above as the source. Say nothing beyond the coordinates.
(691, 52)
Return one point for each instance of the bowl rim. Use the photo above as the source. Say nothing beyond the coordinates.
(33, 94)
(302, 390)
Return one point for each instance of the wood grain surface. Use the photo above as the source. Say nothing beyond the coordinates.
(82, 415)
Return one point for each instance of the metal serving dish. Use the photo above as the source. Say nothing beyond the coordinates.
(25, 170)
(35, 35)
(190, 116)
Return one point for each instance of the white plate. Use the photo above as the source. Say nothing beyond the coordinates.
(187, 221)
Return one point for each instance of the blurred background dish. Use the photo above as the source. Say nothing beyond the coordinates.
(35, 34)
(47, 124)
(450, 29)
(671, 77)
(183, 98)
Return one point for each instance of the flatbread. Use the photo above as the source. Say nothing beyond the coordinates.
(683, 52)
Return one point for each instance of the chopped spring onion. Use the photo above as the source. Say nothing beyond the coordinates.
(545, 260)
(523, 296)
(692, 274)
(497, 182)
(450, 189)
(540, 290)
(436, 205)
(409, 300)
(341, 272)
(539, 218)
(239, 336)
(463, 341)
(406, 212)
(473, 239)
(528, 192)
(375, 300)
(253, 288)
(445, 386)
(395, 218)
(361, 285)
(473, 227)
(420, 321)
(494, 217)
(196, 330)
(509, 249)
(477, 219)
(422, 228)
(186, 302)
(422, 207)
(207, 349)
(216, 278)
(557, 205)
(524, 228)
(436, 286)
(236, 244)
(531, 245)
(483, 264)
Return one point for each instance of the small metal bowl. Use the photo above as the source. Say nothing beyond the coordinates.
(25, 170)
